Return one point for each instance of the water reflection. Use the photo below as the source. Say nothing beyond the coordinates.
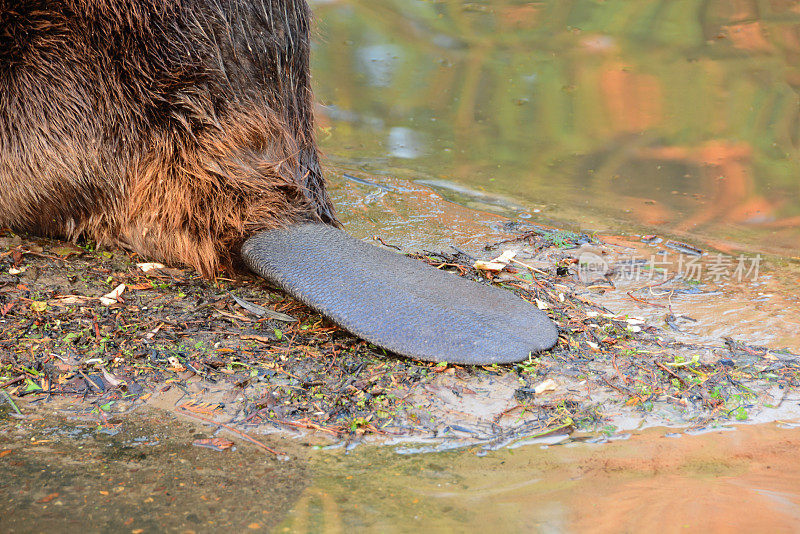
(651, 483)
(405, 143)
(378, 63)
(678, 117)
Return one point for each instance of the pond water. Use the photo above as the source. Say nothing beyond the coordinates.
(677, 117)
(654, 482)
(141, 474)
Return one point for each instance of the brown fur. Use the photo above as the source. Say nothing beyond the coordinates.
(174, 128)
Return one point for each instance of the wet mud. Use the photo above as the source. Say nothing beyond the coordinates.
(92, 329)
(153, 472)
(142, 473)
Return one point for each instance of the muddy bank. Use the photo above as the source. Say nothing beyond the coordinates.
(178, 404)
(94, 330)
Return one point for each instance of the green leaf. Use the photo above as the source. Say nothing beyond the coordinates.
(30, 385)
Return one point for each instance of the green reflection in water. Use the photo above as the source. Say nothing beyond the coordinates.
(669, 116)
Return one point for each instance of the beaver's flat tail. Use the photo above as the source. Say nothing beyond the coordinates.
(396, 302)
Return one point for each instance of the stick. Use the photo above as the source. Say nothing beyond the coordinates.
(226, 427)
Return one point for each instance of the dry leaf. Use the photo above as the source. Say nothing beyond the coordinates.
(547, 385)
(147, 267)
(175, 364)
(47, 499)
(153, 332)
(7, 308)
(113, 297)
(497, 264)
(111, 379)
(261, 311)
(66, 250)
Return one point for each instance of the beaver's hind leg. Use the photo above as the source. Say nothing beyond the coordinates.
(194, 200)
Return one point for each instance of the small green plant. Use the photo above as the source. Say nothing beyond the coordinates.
(528, 366)
(358, 422)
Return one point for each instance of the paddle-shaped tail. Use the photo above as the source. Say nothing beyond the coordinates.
(396, 302)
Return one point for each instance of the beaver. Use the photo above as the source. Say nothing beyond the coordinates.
(183, 130)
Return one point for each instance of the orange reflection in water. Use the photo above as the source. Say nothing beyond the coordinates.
(743, 481)
(681, 118)
(746, 480)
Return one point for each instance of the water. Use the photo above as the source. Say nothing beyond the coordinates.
(645, 484)
(145, 476)
(443, 120)
(677, 117)
(140, 474)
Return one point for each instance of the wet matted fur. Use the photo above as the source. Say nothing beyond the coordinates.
(173, 128)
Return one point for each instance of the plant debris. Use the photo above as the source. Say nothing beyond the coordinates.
(238, 351)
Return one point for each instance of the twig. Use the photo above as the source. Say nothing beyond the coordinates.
(671, 372)
(534, 269)
(311, 426)
(90, 384)
(644, 301)
(184, 411)
(385, 244)
(20, 378)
